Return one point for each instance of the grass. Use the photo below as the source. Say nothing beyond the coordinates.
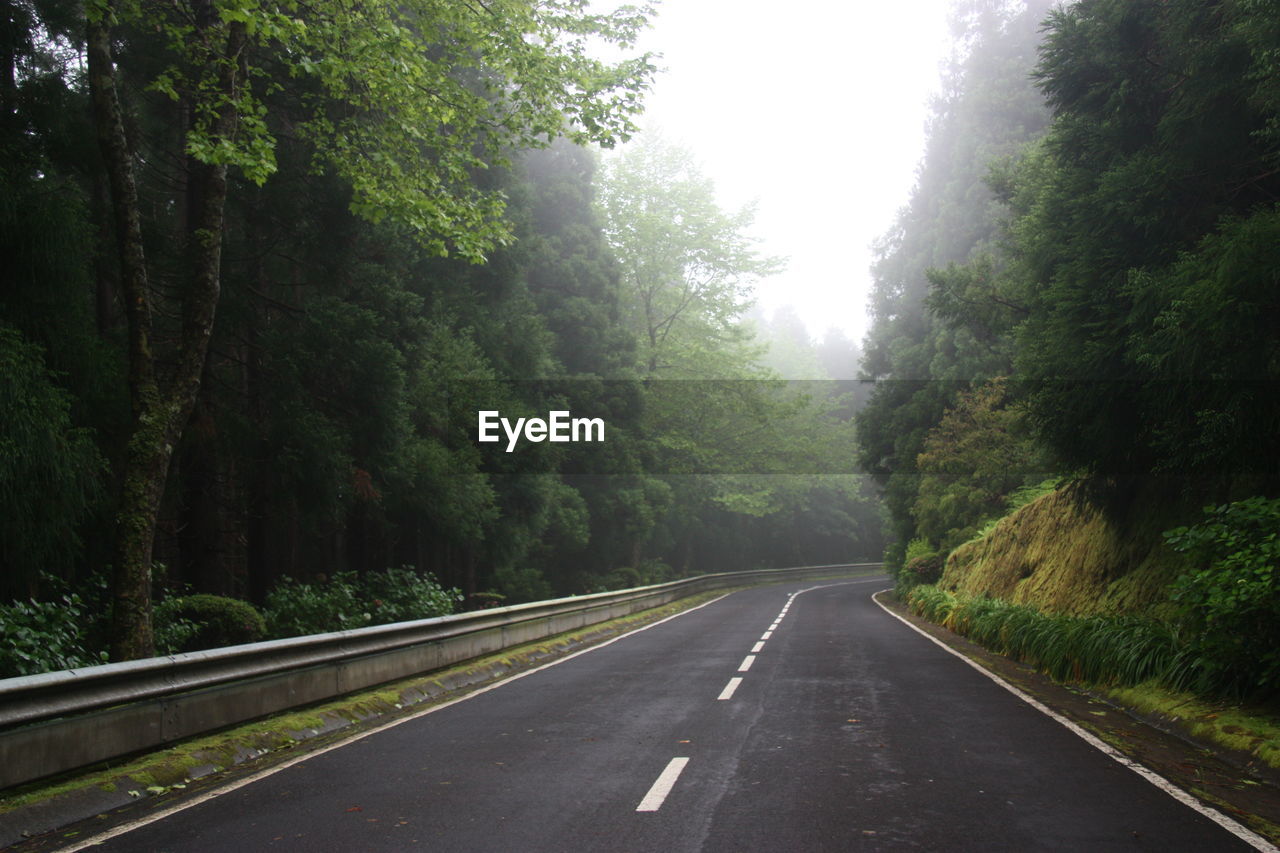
(1095, 650)
(1061, 554)
(1138, 663)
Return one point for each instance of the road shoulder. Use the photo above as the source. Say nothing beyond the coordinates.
(1211, 775)
(51, 813)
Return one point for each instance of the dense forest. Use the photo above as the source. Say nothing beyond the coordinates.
(1081, 295)
(264, 264)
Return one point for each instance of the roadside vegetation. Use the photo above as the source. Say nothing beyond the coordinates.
(1074, 348)
(70, 632)
(247, 333)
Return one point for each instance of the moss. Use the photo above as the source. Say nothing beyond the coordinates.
(1253, 730)
(1257, 823)
(1063, 555)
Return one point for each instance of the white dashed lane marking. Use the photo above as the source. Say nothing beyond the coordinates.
(727, 693)
(662, 786)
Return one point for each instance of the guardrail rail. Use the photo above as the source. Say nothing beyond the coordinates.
(59, 721)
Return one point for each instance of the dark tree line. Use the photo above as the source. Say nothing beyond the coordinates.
(1084, 284)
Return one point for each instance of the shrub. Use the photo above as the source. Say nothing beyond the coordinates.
(347, 601)
(646, 573)
(485, 600)
(918, 548)
(174, 634)
(295, 609)
(401, 595)
(522, 584)
(45, 636)
(1230, 602)
(194, 622)
(924, 570)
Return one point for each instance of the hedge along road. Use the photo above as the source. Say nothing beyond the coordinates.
(794, 717)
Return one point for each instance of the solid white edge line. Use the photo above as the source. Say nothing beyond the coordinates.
(746, 663)
(757, 647)
(727, 693)
(285, 765)
(1235, 828)
(662, 785)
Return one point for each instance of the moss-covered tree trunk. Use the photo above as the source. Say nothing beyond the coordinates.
(160, 408)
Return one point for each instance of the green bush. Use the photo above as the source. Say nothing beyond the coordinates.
(522, 584)
(924, 570)
(402, 595)
(922, 564)
(295, 609)
(1231, 601)
(45, 636)
(347, 601)
(646, 573)
(194, 622)
(918, 548)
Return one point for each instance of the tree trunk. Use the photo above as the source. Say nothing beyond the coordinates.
(105, 296)
(159, 414)
(147, 457)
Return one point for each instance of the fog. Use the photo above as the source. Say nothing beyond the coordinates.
(816, 111)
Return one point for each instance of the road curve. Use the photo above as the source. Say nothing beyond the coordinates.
(799, 717)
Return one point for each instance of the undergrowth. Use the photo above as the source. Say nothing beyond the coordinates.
(1113, 651)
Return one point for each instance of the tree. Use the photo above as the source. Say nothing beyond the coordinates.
(1144, 232)
(62, 389)
(790, 352)
(687, 266)
(921, 349)
(403, 101)
(977, 456)
(48, 468)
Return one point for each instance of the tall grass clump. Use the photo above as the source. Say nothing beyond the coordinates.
(1113, 651)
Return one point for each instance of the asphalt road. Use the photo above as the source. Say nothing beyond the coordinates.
(847, 731)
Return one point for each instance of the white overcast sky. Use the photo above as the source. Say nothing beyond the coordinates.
(816, 110)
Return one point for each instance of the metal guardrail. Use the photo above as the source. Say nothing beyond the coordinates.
(59, 721)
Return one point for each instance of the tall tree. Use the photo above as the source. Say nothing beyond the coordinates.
(919, 357)
(1144, 234)
(687, 266)
(404, 102)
